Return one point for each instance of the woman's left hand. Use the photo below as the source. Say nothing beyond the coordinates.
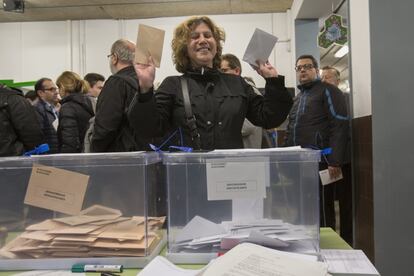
(266, 70)
(145, 74)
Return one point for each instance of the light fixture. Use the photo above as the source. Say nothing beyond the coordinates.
(342, 52)
(13, 5)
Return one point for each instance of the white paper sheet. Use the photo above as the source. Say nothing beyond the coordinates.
(231, 179)
(259, 48)
(326, 178)
(199, 227)
(348, 262)
(253, 260)
(161, 266)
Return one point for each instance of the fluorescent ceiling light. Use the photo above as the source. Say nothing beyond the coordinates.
(341, 52)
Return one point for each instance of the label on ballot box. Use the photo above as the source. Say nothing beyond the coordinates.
(228, 180)
(56, 189)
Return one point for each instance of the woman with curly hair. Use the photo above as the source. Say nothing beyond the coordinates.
(75, 112)
(220, 102)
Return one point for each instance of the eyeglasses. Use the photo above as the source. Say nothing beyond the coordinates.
(305, 66)
(108, 56)
(52, 89)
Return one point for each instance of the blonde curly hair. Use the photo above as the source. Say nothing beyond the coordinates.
(70, 82)
(182, 35)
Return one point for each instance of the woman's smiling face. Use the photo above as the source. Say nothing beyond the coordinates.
(201, 46)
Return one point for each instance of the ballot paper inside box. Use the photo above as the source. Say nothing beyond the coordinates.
(64, 209)
(222, 198)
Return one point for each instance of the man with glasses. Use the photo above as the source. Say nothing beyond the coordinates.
(48, 94)
(319, 120)
(112, 132)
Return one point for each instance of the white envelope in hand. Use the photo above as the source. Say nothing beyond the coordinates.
(260, 46)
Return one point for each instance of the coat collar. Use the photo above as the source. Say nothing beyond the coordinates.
(308, 85)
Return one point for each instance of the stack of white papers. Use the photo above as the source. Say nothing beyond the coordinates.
(97, 232)
(202, 235)
(245, 259)
(348, 263)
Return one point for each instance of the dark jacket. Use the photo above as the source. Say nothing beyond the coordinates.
(220, 103)
(19, 127)
(74, 115)
(47, 117)
(319, 120)
(111, 129)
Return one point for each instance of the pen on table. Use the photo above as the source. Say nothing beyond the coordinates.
(97, 268)
(108, 274)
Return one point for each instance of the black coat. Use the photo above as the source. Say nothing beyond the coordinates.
(111, 129)
(19, 127)
(47, 117)
(74, 115)
(319, 120)
(220, 103)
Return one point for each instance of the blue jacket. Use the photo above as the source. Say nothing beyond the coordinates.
(319, 119)
(47, 117)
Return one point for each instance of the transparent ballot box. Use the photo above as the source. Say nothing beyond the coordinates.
(219, 199)
(65, 209)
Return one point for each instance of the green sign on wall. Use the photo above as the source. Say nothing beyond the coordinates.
(333, 32)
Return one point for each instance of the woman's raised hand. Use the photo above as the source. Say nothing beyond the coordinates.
(145, 74)
(266, 70)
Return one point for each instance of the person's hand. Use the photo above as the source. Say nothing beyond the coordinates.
(334, 172)
(266, 70)
(145, 74)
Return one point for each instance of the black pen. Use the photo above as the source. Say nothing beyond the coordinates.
(109, 274)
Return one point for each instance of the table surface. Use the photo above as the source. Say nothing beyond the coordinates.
(329, 239)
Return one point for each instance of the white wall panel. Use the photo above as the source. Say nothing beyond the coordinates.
(10, 51)
(98, 38)
(360, 57)
(44, 50)
(284, 59)
(48, 48)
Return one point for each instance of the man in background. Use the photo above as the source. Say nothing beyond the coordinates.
(48, 94)
(20, 129)
(343, 187)
(319, 120)
(112, 132)
(96, 83)
(251, 134)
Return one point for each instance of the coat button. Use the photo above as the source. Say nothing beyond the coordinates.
(219, 123)
(208, 122)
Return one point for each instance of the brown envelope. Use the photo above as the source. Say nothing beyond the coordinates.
(100, 252)
(45, 225)
(79, 220)
(105, 222)
(149, 43)
(99, 210)
(75, 238)
(56, 189)
(125, 230)
(37, 235)
(84, 229)
(123, 245)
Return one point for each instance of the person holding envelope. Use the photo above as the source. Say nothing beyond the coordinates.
(220, 102)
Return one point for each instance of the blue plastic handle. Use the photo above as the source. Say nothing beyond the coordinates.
(37, 150)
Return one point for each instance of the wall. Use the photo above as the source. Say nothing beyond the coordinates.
(392, 43)
(37, 49)
(361, 126)
(360, 57)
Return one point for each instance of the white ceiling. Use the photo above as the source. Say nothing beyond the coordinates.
(50, 10)
(56, 10)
